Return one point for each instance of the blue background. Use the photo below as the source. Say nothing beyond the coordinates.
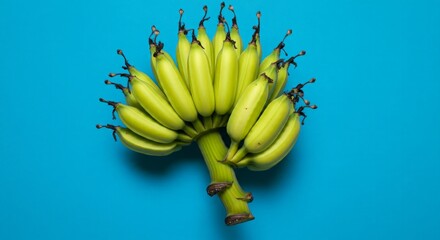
(366, 166)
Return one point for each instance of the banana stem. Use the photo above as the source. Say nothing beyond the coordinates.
(207, 122)
(198, 125)
(234, 199)
(216, 120)
(190, 131)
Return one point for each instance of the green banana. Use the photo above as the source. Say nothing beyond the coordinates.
(277, 150)
(159, 108)
(272, 73)
(268, 126)
(280, 147)
(142, 124)
(248, 67)
(200, 77)
(246, 112)
(182, 50)
(220, 34)
(142, 145)
(174, 86)
(235, 35)
(283, 75)
(275, 54)
(139, 74)
(206, 43)
(154, 45)
(129, 98)
(226, 74)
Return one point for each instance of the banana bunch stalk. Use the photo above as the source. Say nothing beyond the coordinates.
(214, 83)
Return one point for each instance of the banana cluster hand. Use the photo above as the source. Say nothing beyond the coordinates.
(214, 83)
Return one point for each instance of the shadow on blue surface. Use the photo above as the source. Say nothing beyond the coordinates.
(161, 165)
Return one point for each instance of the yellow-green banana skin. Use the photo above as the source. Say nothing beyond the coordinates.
(277, 150)
(248, 108)
(131, 100)
(248, 66)
(182, 52)
(202, 36)
(144, 125)
(153, 61)
(219, 38)
(201, 86)
(145, 78)
(278, 87)
(258, 43)
(271, 58)
(175, 88)
(225, 83)
(235, 35)
(269, 125)
(142, 145)
(159, 108)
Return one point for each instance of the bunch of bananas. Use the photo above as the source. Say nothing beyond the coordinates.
(215, 84)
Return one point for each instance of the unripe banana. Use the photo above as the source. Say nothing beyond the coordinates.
(159, 108)
(206, 43)
(283, 74)
(246, 112)
(277, 150)
(175, 88)
(154, 46)
(235, 35)
(142, 124)
(182, 50)
(142, 145)
(267, 128)
(248, 67)
(225, 83)
(140, 75)
(220, 34)
(129, 98)
(200, 77)
(272, 73)
(283, 143)
(275, 54)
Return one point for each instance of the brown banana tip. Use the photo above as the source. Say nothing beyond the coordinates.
(215, 188)
(247, 198)
(238, 218)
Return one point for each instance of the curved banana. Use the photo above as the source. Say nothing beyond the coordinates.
(206, 43)
(129, 98)
(139, 74)
(154, 45)
(248, 67)
(220, 34)
(200, 77)
(235, 35)
(283, 74)
(174, 87)
(246, 112)
(277, 150)
(267, 128)
(182, 50)
(275, 54)
(142, 124)
(272, 73)
(142, 145)
(226, 74)
(158, 107)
